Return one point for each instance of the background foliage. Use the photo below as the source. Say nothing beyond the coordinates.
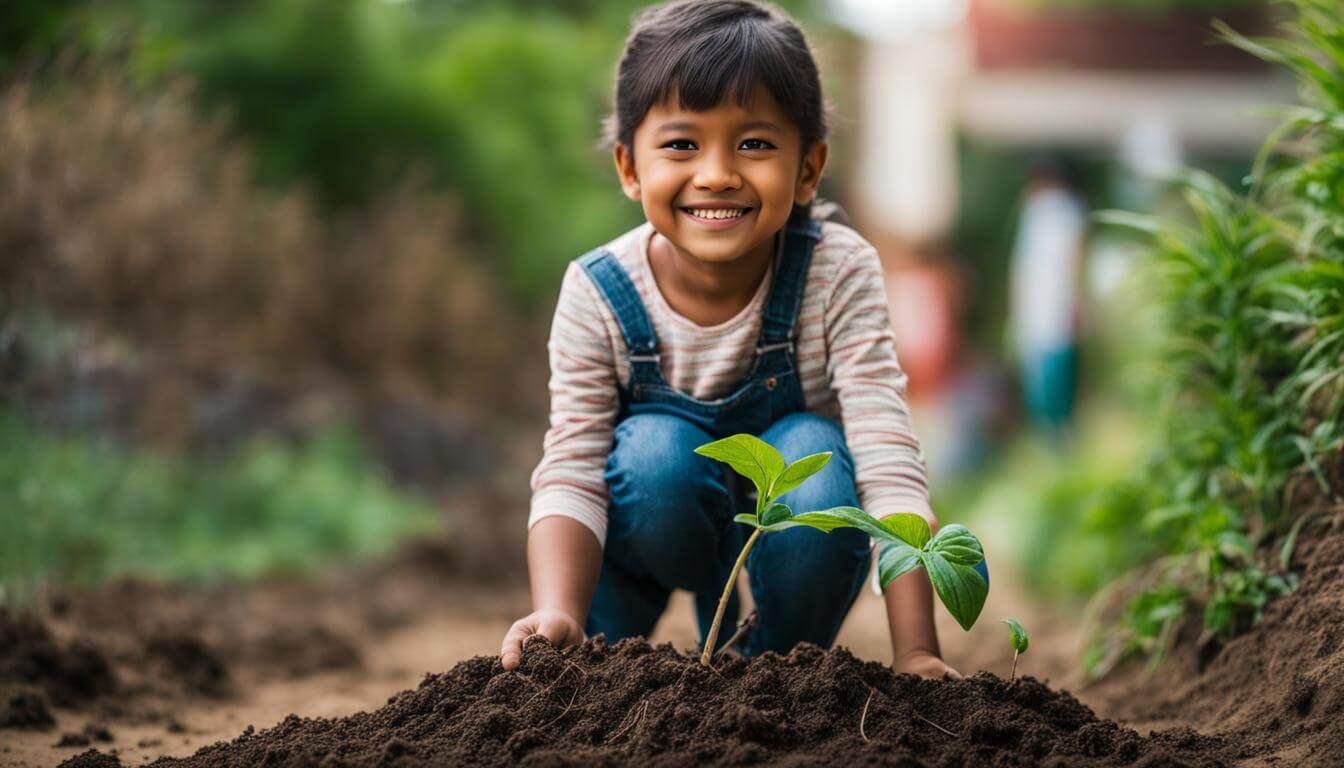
(79, 511)
(1250, 290)
(499, 101)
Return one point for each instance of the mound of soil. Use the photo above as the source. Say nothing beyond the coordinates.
(632, 703)
(92, 759)
(36, 669)
(1279, 689)
(25, 709)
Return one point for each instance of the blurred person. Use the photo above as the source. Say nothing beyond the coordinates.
(733, 308)
(1045, 285)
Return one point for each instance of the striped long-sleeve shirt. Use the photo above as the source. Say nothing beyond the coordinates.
(845, 355)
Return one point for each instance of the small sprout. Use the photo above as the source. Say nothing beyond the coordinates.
(1018, 639)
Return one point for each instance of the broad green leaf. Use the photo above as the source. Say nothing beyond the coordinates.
(960, 588)
(747, 519)
(843, 517)
(794, 475)
(896, 560)
(1018, 635)
(908, 527)
(957, 544)
(777, 513)
(749, 456)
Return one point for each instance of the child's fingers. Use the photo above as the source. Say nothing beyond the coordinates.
(558, 631)
(511, 652)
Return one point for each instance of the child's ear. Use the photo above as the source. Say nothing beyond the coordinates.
(625, 168)
(809, 176)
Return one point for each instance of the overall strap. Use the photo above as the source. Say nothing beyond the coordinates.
(620, 294)
(786, 295)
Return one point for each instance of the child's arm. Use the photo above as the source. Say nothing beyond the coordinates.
(889, 468)
(569, 494)
(563, 560)
(914, 641)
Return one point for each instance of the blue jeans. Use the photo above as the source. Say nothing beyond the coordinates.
(670, 527)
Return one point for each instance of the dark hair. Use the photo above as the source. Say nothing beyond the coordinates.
(707, 51)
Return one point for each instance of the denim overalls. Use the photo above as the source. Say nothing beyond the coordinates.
(670, 515)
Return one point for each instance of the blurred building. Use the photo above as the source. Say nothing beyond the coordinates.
(1145, 89)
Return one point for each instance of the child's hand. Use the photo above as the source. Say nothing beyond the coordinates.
(551, 623)
(926, 664)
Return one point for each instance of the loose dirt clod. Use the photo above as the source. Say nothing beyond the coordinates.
(634, 703)
(25, 709)
(30, 658)
(92, 759)
(91, 732)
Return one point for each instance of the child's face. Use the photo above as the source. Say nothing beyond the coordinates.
(728, 158)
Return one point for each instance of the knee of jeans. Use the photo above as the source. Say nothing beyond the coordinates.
(813, 566)
(803, 434)
(668, 503)
(653, 460)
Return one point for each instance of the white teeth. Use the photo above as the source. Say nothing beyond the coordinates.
(717, 213)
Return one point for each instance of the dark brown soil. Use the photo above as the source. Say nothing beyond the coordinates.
(92, 759)
(65, 672)
(133, 649)
(1278, 688)
(25, 709)
(91, 732)
(635, 704)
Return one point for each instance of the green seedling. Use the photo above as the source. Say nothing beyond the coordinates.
(1017, 637)
(759, 462)
(948, 558)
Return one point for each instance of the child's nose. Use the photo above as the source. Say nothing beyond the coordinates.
(717, 171)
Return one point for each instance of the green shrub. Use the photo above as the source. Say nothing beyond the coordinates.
(82, 510)
(1252, 290)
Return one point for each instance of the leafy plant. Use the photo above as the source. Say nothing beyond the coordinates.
(1017, 637)
(949, 557)
(1251, 287)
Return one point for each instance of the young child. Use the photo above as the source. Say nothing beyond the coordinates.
(731, 310)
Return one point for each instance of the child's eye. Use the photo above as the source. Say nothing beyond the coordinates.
(762, 144)
(684, 145)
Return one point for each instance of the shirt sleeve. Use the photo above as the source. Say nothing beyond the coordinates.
(569, 479)
(870, 386)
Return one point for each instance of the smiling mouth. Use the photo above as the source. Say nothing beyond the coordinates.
(717, 214)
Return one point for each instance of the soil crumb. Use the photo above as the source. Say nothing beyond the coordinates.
(628, 703)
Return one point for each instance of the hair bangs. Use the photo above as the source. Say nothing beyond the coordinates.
(705, 54)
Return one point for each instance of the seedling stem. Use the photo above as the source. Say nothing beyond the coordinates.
(712, 640)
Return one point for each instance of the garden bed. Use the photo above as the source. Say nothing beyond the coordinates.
(635, 704)
(1275, 694)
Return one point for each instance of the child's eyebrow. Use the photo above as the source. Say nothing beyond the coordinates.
(684, 125)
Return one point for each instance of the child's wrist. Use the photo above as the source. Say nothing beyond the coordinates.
(902, 654)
